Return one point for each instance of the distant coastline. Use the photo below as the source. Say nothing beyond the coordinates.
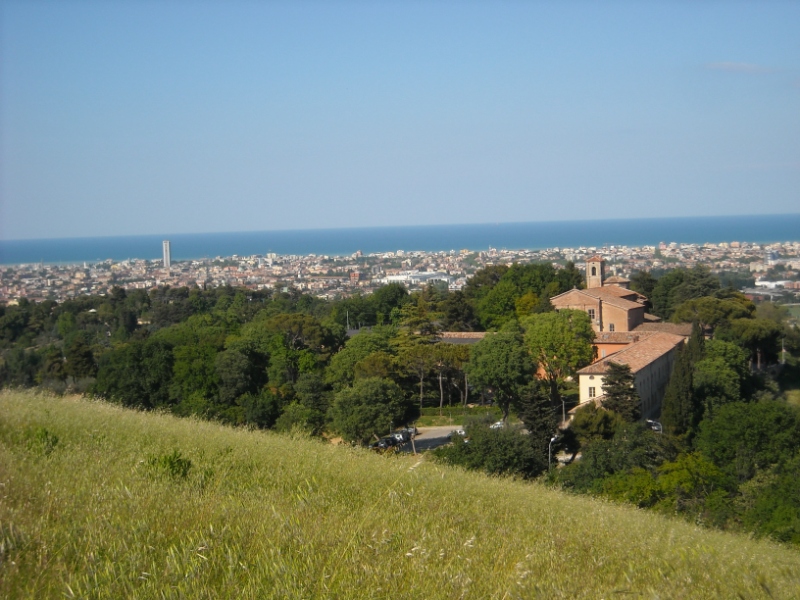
(429, 238)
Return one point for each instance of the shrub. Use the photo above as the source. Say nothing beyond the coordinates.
(503, 451)
(172, 465)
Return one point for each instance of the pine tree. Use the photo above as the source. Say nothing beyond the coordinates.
(620, 394)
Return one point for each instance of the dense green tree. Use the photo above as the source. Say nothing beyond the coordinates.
(681, 285)
(698, 282)
(371, 407)
(505, 451)
(758, 336)
(483, 280)
(501, 302)
(560, 343)
(569, 277)
(19, 367)
(711, 312)
(378, 364)
(313, 395)
(500, 365)
(262, 409)
(715, 384)
(534, 409)
(417, 360)
(620, 393)
(498, 306)
(774, 508)
(689, 482)
(66, 324)
(54, 365)
(663, 295)
(341, 370)
(633, 446)
(644, 283)
(300, 331)
(234, 372)
(80, 360)
(419, 316)
(137, 374)
(526, 305)
(592, 423)
(742, 437)
(458, 313)
(296, 416)
(387, 298)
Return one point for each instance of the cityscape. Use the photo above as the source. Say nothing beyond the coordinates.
(770, 270)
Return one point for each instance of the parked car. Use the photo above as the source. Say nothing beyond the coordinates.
(401, 436)
(498, 425)
(385, 443)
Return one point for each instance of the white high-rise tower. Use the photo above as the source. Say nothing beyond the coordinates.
(167, 254)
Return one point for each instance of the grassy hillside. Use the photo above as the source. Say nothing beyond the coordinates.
(100, 502)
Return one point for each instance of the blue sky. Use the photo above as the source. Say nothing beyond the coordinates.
(174, 117)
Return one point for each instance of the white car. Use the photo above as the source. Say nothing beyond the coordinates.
(498, 425)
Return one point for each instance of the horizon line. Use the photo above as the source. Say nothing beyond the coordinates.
(165, 236)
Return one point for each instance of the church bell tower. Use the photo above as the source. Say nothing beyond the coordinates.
(595, 272)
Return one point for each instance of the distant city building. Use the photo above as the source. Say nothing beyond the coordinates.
(167, 254)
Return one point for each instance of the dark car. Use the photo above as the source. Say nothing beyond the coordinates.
(385, 443)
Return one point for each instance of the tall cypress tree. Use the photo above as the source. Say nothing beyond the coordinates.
(682, 410)
(676, 410)
(620, 394)
(696, 346)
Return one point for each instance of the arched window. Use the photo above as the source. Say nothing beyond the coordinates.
(594, 271)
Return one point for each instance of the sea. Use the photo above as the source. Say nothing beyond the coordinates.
(429, 238)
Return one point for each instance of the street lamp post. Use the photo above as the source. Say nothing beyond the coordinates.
(550, 452)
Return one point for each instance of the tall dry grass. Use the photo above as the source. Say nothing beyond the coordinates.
(96, 503)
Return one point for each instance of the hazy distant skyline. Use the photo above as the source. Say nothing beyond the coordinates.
(132, 118)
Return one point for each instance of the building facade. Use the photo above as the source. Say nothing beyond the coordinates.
(650, 359)
(167, 253)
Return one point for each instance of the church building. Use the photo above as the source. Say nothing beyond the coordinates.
(625, 334)
(609, 303)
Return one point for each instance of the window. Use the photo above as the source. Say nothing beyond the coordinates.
(611, 327)
(591, 314)
(592, 392)
(594, 271)
(603, 353)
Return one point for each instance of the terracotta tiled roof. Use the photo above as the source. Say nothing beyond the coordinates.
(621, 337)
(598, 293)
(616, 279)
(614, 291)
(684, 329)
(638, 355)
(621, 302)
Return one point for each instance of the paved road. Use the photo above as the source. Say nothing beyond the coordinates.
(430, 437)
